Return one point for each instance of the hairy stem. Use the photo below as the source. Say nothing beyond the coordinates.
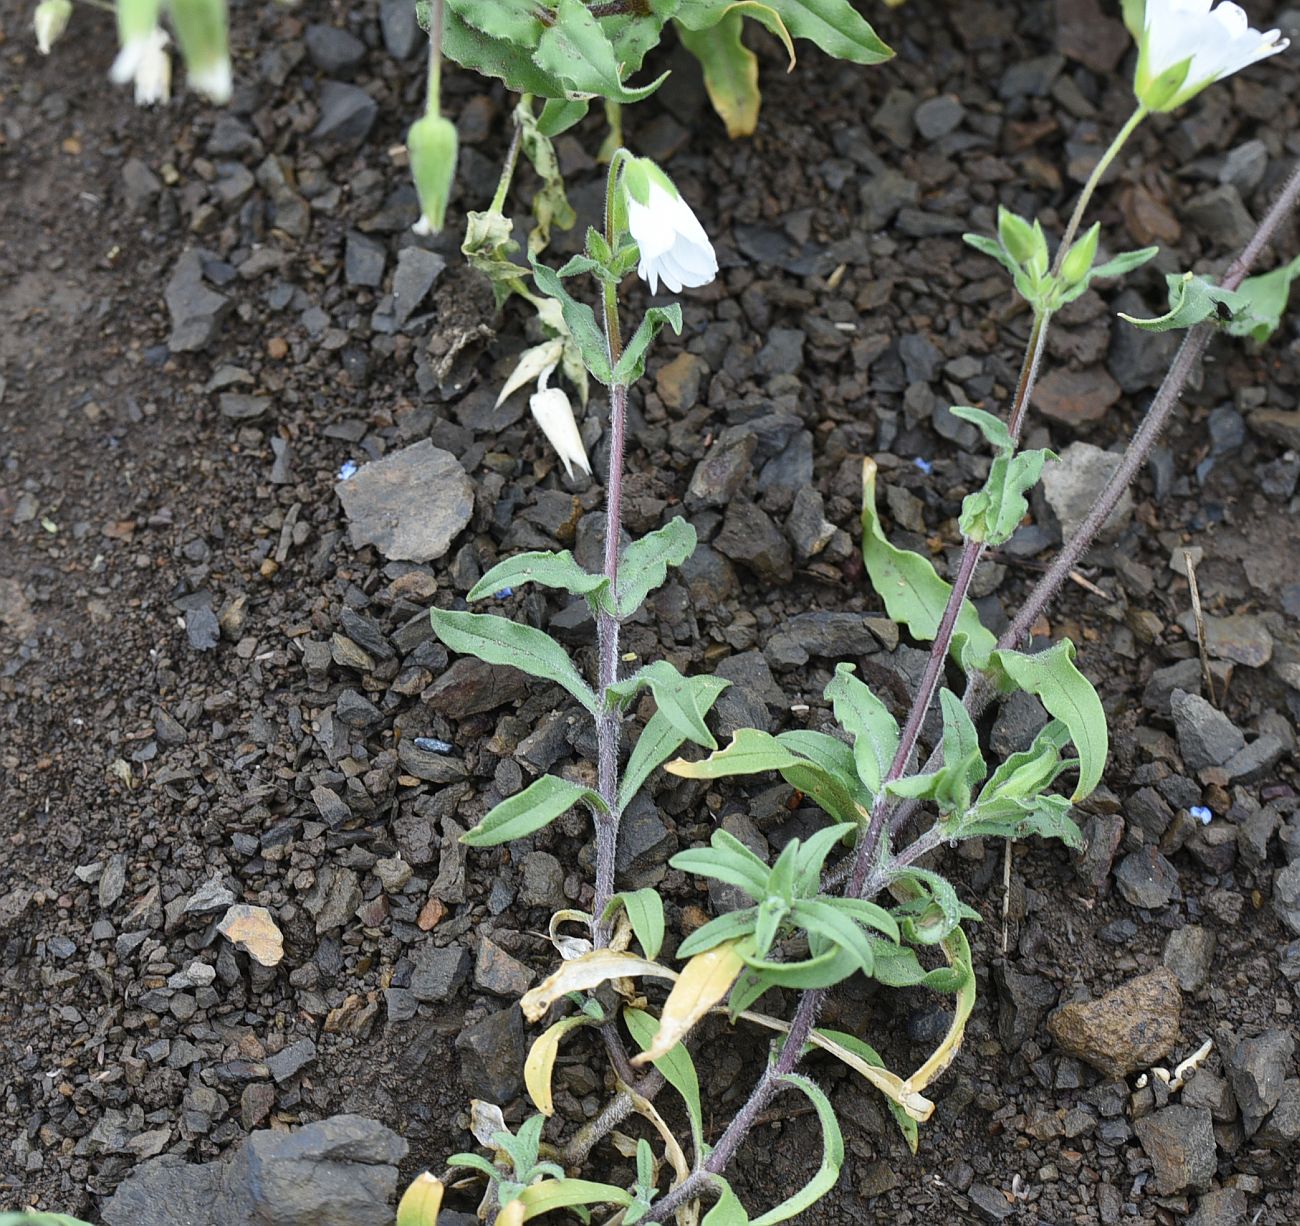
(512, 160)
(1098, 171)
(433, 105)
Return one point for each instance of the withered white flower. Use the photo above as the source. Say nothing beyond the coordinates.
(1185, 45)
(550, 406)
(673, 244)
(150, 68)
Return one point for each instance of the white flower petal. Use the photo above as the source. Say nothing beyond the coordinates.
(1218, 41)
(674, 246)
(554, 414)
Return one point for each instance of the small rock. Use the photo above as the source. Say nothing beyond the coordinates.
(292, 1060)
(1286, 895)
(196, 310)
(1146, 879)
(333, 50)
(492, 1056)
(1023, 1000)
(363, 261)
(543, 881)
(722, 472)
(1206, 737)
(1257, 1069)
(439, 972)
(417, 270)
(993, 1206)
(936, 117)
(401, 31)
(498, 972)
(1222, 1207)
(1281, 1129)
(1072, 486)
(1130, 1028)
(1179, 1141)
(410, 504)
(748, 536)
(1076, 397)
(1242, 638)
(212, 895)
(347, 113)
(1189, 953)
(678, 382)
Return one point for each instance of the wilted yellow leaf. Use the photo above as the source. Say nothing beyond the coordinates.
(540, 1064)
(253, 931)
(421, 1202)
(582, 974)
(704, 981)
(513, 1214)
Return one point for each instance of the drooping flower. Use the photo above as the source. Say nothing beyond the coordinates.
(50, 20)
(1186, 45)
(431, 146)
(153, 70)
(673, 244)
(551, 408)
(201, 30)
(137, 36)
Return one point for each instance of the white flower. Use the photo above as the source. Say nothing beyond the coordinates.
(50, 20)
(146, 62)
(1186, 45)
(554, 414)
(672, 242)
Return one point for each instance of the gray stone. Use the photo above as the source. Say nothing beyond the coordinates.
(292, 1060)
(347, 113)
(783, 352)
(417, 270)
(439, 972)
(333, 50)
(356, 710)
(213, 895)
(1222, 1207)
(1146, 879)
(237, 406)
(410, 505)
(1023, 1000)
(749, 537)
(1220, 215)
(1179, 1141)
(643, 839)
(719, 476)
(363, 260)
(543, 881)
(500, 973)
(1071, 488)
(401, 31)
(1184, 675)
(1282, 1127)
(807, 525)
(334, 899)
(936, 117)
(201, 628)
(492, 1056)
(832, 636)
(1256, 760)
(196, 310)
(1206, 737)
(1189, 953)
(1257, 1068)
(1021, 718)
(140, 185)
(1286, 895)
(471, 686)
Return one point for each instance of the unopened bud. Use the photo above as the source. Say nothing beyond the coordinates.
(554, 414)
(201, 30)
(50, 20)
(1016, 236)
(431, 145)
(1078, 260)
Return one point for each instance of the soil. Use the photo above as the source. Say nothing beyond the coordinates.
(146, 750)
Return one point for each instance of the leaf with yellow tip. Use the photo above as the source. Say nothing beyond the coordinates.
(514, 1214)
(587, 972)
(541, 1061)
(552, 1194)
(704, 981)
(421, 1202)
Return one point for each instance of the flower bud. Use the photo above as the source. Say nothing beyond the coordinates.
(50, 20)
(431, 146)
(137, 23)
(202, 33)
(1078, 260)
(1016, 236)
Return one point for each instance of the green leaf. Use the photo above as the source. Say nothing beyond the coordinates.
(815, 916)
(993, 513)
(631, 366)
(868, 721)
(552, 1194)
(580, 319)
(1068, 695)
(864, 1051)
(730, 72)
(1125, 262)
(657, 743)
(833, 25)
(912, 592)
(497, 640)
(497, 57)
(727, 1209)
(729, 864)
(644, 564)
(963, 764)
(539, 804)
(869, 913)
(578, 51)
(516, 21)
(678, 1071)
(1264, 302)
(993, 249)
(554, 570)
(1029, 771)
(1004, 818)
(475, 1162)
(559, 114)
(40, 1219)
(683, 700)
(831, 965)
(645, 910)
(728, 927)
(994, 429)
(1192, 300)
(933, 911)
(828, 1172)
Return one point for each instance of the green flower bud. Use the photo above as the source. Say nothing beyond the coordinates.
(1078, 260)
(201, 30)
(431, 145)
(1016, 236)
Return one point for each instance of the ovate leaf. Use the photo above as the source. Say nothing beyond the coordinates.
(580, 320)
(645, 912)
(576, 50)
(540, 1065)
(497, 57)
(1068, 695)
(1264, 302)
(551, 1194)
(862, 715)
(683, 700)
(497, 640)
(554, 570)
(677, 1068)
(644, 564)
(539, 804)
(631, 366)
(913, 593)
(833, 25)
(1192, 300)
(730, 72)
